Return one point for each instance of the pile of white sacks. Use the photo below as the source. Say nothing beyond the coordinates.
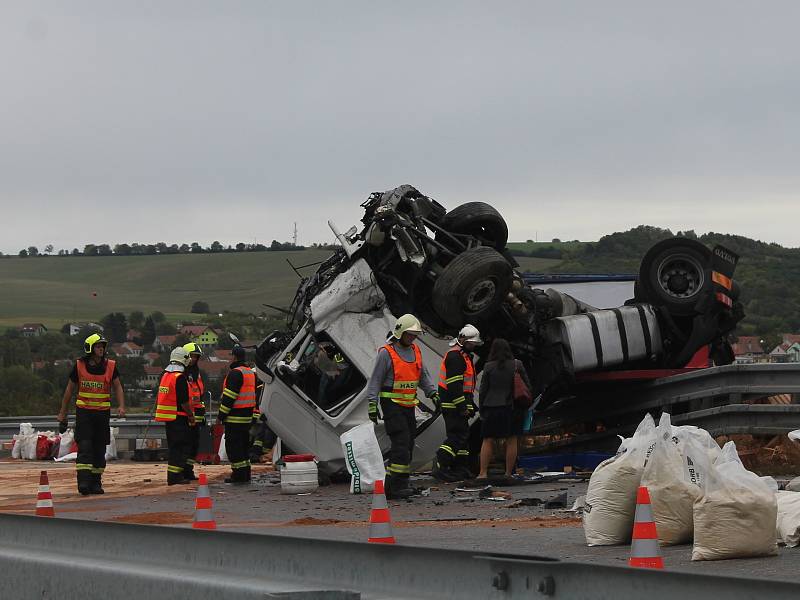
(699, 494)
(61, 448)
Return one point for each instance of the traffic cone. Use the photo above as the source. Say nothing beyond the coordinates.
(44, 499)
(644, 545)
(380, 524)
(203, 517)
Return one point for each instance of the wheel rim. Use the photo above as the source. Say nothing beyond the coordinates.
(680, 276)
(480, 296)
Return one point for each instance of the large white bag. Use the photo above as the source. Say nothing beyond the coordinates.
(737, 516)
(223, 454)
(363, 457)
(65, 444)
(611, 497)
(111, 448)
(788, 525)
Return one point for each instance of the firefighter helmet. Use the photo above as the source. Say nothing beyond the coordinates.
(193, 348)
(180, 356)
(89, 342)
(468, 333)
(407, 323)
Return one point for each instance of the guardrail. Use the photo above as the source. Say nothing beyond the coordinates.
(66, 558)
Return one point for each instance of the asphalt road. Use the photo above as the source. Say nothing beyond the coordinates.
(445, 519)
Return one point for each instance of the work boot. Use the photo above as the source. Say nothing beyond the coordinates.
(84, 483)
(442, 473)
(96, 486)
(462, 472)
(237, 481)
(189, 475)
(397, 488)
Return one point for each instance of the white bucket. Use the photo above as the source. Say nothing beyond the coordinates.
(299, 474)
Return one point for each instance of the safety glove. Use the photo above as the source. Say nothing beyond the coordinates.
(372, 411)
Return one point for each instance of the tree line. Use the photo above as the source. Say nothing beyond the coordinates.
(136, 249)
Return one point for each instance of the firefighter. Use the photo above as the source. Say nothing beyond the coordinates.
(392, 388)
(456, 389)
(173, 408)
(94, 376)
(236, 411)
(196, 391)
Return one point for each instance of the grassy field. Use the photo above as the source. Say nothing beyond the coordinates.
(536, 265)
(54, 290)
(528, 246)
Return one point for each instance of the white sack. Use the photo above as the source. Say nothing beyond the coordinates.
(611, 497)
(788, 525)
(223, 454)
(16, 449)
(111, 448)
(65, 443)
(794, 435)
(363, 457)
(28, 449)
(26, 429)
(737, 516)
(67, 457)
(674, 484)
(794, 485)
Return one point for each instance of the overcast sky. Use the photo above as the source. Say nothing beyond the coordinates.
(201, 121)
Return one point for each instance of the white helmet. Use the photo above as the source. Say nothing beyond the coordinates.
(408, 323)
(180, 356)
(468, 333)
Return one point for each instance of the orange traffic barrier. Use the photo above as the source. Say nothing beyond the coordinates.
(645, 552)
(44, 499)
(380, 525)
(203, 515)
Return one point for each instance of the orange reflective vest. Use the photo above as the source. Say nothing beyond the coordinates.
(406, 378)
(246, 398)
(167, 408)
(468, 377)
(196, 390)
(94, 391)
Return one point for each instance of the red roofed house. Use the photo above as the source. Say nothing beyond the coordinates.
(152, 375)
(748, 349)
(791, 338)
(215, 370)
(163, 343)
(201, 334)
(32, 329)
(779, 354)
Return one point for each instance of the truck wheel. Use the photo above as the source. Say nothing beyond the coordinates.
(472, 286)
(479, 220)
(673, 275)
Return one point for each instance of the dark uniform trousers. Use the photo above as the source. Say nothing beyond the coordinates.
(194, 442)
(237, 446)
(178, 441)
(401, 427)
(454, 451)
(92, 434)
(263, 439)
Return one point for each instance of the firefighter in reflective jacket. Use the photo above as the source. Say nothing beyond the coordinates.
(236, 411)
(196, 404)
(94, 376)
(456, 390)
(397, 373)
(173, 409)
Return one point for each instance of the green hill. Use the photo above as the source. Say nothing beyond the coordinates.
(54, 290)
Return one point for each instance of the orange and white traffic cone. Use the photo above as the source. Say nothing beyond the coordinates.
(645, 552)
(203, 515)
(380, 524)
(44, 499)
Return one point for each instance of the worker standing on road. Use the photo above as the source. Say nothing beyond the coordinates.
(397, 373)
(173, 408)
(236, 411)
(196, 390)
(456, 389)
(94, 376)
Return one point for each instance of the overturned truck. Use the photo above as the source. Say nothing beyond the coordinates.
(451, 268)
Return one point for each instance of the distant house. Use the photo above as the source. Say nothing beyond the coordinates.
(794, 352)
(75, 328)
(32, 329)
(215, 370)
(127, 349)
(748, 349)
(201, 334)
(152, 376)
(779, 353)
(163, 343)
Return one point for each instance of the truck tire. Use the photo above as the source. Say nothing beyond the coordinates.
(472, 286)
(674, 274)
(479, 220)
